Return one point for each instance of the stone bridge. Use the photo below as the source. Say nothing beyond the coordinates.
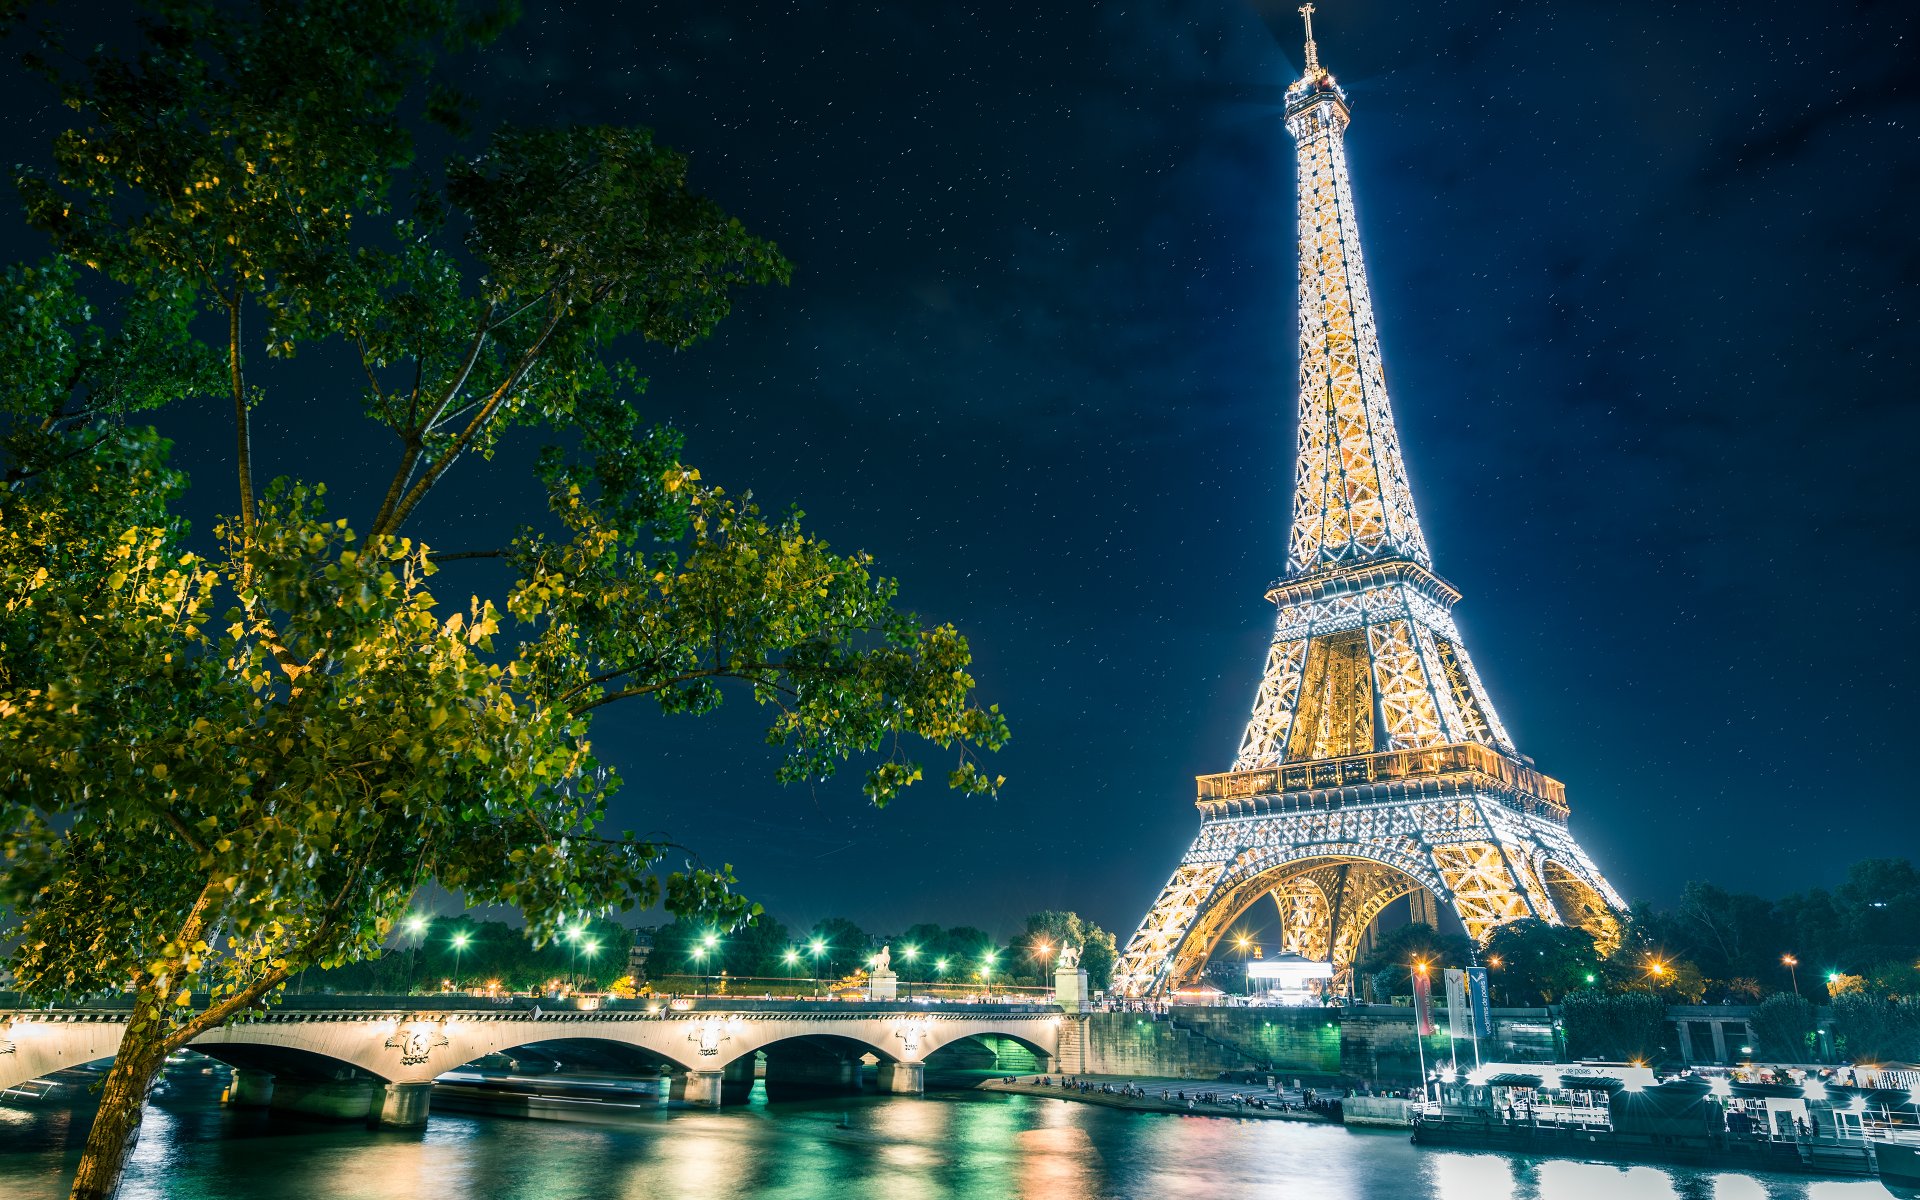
(709, 1047)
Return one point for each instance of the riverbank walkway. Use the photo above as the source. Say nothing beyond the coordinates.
(1180, 1096)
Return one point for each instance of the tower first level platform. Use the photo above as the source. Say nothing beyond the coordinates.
(1334, 841)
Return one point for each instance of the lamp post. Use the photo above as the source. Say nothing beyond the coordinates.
(1420, 1040)
(940, 970)
(591, 948)
(573, 949)
(417, 926)
(459, 947)
(986, 970)
(1793, 970)
(911, 954)
(700, 961)
(815, 949)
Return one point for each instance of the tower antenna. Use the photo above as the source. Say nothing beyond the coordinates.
(1313, 52)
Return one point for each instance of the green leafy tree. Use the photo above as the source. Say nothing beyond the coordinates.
(228, 759)
(929, 944)
(843, 945)
(1785, 1026)
(1877, 1028)
(1055, 930)
(1627, 1027)
(1388, 967)
(1533, 962)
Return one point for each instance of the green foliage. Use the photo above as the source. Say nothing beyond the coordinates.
(1785, 1026)
(1623, 1027)
(1056, 930)
(1388, 967)
(755, 948)
(233, 758)
(1877, 1028)
(844, 947)
(1538, 962)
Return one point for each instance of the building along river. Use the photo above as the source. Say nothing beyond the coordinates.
(963, 1145)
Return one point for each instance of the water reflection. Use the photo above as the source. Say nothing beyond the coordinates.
(959, 1147)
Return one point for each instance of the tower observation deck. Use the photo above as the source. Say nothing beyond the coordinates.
(1374, 766)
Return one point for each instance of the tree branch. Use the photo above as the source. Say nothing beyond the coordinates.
(419, 490)
(242, 427)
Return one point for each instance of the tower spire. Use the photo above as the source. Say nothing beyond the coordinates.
(1313, 52)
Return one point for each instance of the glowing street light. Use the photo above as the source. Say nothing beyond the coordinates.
(459, 947)
(1793, 970)
(416, 924)
(591, 948)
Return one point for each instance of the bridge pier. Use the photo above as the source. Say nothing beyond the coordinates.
(331, 1099)
(903, 1078)
(736, 1079)
(250, 1088)
(400, 1105)
(697, 1087)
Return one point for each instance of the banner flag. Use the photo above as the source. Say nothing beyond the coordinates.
(1477, 994)
(1423, 1002)
(1459, 1016)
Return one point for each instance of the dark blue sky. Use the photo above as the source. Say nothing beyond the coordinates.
(1646, 282)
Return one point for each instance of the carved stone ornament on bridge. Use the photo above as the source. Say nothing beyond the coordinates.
(708, 1035)
(910, 1033)
(416, 1041)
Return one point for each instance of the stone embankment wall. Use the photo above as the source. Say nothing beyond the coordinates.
(1374, 1043)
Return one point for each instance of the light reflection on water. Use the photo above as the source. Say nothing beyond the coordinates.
(963, 1147)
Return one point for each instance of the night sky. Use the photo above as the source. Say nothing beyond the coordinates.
(1645, 276)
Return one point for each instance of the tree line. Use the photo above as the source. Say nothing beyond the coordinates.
(1854, 947)
(689, 949)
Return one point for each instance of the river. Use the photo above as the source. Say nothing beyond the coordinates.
(965, 1146)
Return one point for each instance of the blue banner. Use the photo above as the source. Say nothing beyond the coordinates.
(1477, 998)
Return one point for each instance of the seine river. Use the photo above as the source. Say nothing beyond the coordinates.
(953, 1145)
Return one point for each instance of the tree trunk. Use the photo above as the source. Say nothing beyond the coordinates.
(117, 1127)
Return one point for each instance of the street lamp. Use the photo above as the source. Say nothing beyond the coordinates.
(459, 947)
(815, 949)
(1045, 951)
(592, 948)
(986, 969)
(573, 949)
(416, 925)
(1793, 970)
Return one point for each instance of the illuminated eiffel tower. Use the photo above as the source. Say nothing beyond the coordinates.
(1374, 766)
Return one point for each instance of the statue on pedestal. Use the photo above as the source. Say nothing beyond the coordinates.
(1069, 958)
(883, 961)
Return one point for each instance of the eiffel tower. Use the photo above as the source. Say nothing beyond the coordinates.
(1374, 766)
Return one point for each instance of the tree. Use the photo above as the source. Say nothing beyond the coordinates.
(928, 943)
(233, 758)
(1389, 965)
(1785, 1025)
(1871, 1028)
(1628, 1027)
(1055, 930)
(844, 947)
(1533, 962)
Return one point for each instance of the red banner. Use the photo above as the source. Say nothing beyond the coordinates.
(1423, 1002)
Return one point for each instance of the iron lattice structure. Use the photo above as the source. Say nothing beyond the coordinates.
(1374, 765)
